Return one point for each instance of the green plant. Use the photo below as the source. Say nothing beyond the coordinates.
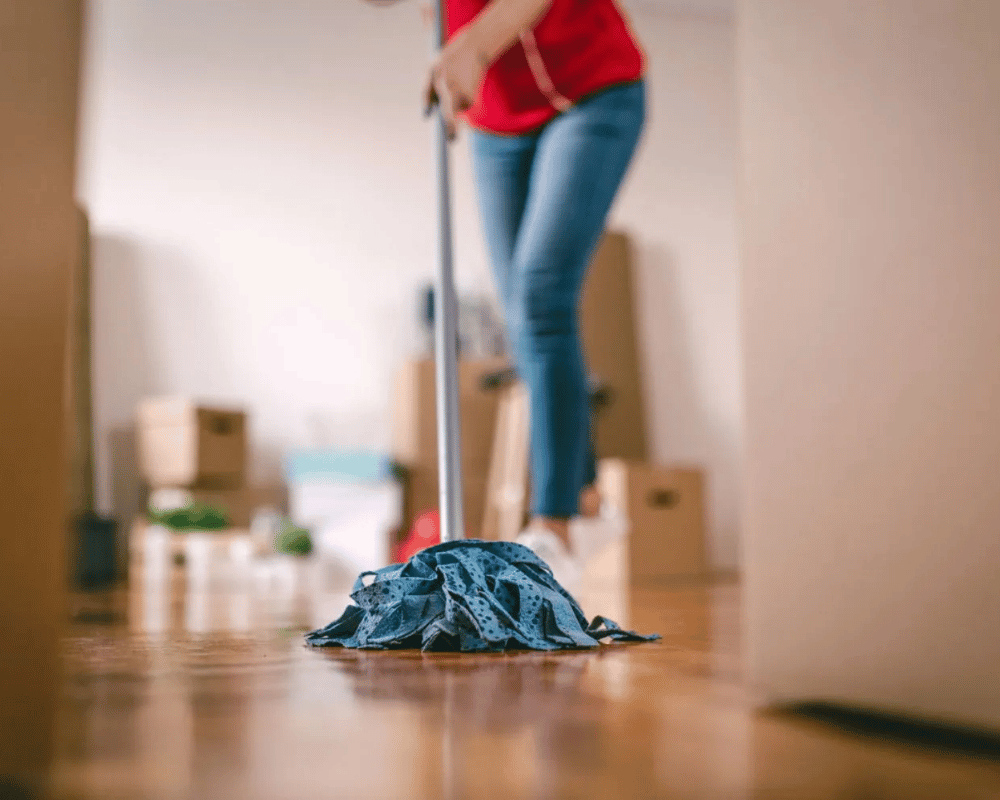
(292, 540)
(195, 517)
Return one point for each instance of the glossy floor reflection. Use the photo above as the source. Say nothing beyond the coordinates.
(206, 691)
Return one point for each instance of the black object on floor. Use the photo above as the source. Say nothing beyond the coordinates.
(469, 596)
(95, 551)
(902, 730)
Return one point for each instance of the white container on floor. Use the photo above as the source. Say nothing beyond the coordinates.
(205, 557)
(157, 554)
(217, 558)
(350, 522)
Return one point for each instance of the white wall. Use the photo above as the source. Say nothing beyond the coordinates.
(261, 190)
(872, 299)
(679, 205)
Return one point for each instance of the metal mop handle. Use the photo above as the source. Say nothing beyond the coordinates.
(446, 338)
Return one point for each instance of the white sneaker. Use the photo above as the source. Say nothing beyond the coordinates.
(590, 535)
(549, 547)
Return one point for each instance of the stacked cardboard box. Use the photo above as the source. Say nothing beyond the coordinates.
(240, 504)
(507, 497)
(415, 436)
(664, 507)
(662, 504)
(610, 336)
(203, 449)
(184, 444)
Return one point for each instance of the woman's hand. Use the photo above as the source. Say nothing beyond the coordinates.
(458, 72)
(455, 78)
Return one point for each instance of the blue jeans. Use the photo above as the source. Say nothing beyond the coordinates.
(544, 198)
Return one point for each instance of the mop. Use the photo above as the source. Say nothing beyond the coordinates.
(465, 595)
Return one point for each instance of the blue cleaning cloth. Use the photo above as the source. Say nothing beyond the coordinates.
(469, 596)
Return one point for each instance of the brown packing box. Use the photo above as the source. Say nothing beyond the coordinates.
(610, 342)
(509, 479)
(184, 444)
(415, 436)
(420, 493)
(240, 504)
(665, 510)
(415, 414)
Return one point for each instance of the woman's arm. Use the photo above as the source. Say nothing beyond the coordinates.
(458, 72)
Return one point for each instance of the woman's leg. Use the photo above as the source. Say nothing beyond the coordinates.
(582, 157)
(502, 167)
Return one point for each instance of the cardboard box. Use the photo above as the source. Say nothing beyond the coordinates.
(665, 509)
(507, 495)
(415, 414)
(420, 494)
(610, 342)
(238, 504)
(415, 436)
(183, 444)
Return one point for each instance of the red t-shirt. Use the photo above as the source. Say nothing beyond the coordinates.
(576, 48)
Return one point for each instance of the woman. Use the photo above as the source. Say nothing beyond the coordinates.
(554, 94)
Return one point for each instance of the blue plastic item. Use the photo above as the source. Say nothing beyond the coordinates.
(338, 466)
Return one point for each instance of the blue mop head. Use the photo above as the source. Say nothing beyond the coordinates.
(468, 596)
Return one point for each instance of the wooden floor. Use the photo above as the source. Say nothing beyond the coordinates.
(174, 692)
